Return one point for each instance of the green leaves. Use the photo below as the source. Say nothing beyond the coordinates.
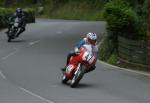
(4, 13)
(123, 20)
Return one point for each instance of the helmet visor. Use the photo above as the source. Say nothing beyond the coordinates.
(93, 42)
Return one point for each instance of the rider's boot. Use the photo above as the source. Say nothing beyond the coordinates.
(22, 30)
(63, 69)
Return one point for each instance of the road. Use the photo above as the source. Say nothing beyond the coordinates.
(30, 68)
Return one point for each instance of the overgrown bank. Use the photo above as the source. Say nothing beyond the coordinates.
(62, 9)
(124, 21)
(76, 9)
(4, 14)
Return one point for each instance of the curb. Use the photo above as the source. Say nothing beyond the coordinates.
(116, 67)
(125, 69)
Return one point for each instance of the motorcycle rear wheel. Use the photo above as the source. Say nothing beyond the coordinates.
(9, 39)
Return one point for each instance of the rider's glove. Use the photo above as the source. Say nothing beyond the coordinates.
(77, 51)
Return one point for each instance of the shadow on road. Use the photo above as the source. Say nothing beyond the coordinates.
(83, 85)
(18, 41)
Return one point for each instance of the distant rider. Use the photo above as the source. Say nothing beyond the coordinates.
(90, 39)
(20, 14)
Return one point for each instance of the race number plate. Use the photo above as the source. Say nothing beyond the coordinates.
(88, 57)
(69, 69)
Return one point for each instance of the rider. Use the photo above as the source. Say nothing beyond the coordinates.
(20, 14)
(91, 38)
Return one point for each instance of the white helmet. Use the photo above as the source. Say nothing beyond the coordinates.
(91, 37)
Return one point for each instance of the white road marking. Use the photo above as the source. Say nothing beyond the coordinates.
(3, 76)
(34, 42)
(58, 32)
(37, 96)
(12, 53)
(125, 69)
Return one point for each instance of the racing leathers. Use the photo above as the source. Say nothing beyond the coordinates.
(77, 51)
(22, 24)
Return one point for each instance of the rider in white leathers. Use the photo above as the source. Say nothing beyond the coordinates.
(90, 39)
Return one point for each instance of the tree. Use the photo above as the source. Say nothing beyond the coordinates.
(122, 20)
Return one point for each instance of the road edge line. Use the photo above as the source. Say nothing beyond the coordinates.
(35, 95)
(125, 69)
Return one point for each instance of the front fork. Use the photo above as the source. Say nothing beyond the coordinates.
(77, 70)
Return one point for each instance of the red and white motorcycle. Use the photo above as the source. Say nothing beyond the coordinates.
(78, 65)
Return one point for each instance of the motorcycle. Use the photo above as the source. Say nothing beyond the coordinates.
(78, 65)
(15, 28)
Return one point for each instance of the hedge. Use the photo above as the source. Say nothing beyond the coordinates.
(4, 14)
(30, 13)
(123, 20)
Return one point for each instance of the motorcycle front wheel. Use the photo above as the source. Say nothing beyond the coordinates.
(77, 77)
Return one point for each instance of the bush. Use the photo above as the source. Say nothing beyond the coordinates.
(74, 9)
(113, 59)
(106, 48)
(122, 20)
(4, 14)
(30, 14)
(2, 2)
(146, 14)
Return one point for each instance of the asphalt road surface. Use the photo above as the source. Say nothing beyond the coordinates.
(30, 68)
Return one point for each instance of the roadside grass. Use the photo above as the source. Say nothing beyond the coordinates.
(75, 11)
(148, 38)
(132, 66)
(113, 59)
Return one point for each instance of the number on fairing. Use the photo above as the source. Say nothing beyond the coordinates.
(69, 68)
(88, 57)
(91, 59)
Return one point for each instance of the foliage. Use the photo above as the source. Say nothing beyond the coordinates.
(122, 20)
(21, 3)
(4, 14)
(64, 9)
(106, 48)
(2, 2)
(146, 14)
(30, 14)
(70, 9)
(113, 59)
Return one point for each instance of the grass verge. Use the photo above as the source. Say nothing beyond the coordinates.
(75, 11)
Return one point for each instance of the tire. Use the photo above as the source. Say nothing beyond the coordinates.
(9, 39)
(9, 35)
(76, 80)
